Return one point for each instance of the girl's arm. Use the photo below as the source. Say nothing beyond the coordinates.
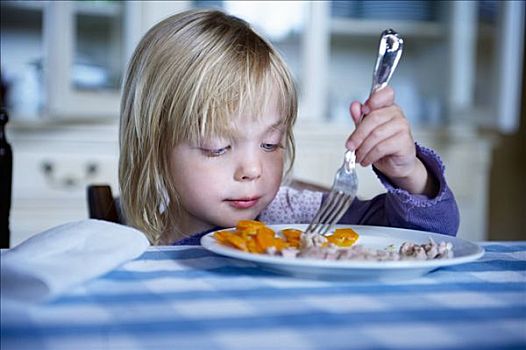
(400, 208)
(417, 194)
(396, 208)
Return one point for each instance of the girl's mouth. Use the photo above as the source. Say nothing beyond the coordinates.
(243, 203)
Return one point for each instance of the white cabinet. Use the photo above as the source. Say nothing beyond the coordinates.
(64, 60)
(84, 58)
(460, 64)
(52, 167)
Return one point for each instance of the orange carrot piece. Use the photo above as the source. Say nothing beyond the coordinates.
(237, 242)
(265, 238)
(249, 225)
(291, 233)
(343, 237)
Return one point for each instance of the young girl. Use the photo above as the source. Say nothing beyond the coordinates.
(207, 113)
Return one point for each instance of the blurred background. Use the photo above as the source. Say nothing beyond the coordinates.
(460, 82)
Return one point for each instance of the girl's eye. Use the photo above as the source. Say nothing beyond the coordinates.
(215, 152)
(269, 147)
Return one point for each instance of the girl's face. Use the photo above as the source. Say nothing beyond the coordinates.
(221, 181)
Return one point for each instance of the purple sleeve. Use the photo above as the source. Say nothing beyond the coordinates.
(399, 208)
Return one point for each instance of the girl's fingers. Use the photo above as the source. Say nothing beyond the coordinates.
(378, 135)
(380, 99)
(356, 111)
(386, 147)
(368, 124)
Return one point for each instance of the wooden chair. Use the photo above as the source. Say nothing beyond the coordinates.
(103, 206)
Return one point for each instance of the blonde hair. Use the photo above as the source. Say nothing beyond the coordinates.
(189, 76)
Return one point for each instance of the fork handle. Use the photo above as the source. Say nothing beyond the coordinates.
(389, 53)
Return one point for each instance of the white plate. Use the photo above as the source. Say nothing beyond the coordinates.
(373, 237)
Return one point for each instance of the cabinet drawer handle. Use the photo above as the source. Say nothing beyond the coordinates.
(68, 181)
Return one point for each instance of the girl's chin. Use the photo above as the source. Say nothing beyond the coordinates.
(231, 213)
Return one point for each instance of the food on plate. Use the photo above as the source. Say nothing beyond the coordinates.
(255, 237)
(407, 251)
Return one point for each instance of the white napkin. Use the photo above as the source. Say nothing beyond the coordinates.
(62, 257)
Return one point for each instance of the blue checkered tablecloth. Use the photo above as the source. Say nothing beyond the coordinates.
(189, 298)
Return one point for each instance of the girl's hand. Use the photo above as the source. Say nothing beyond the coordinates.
(383, 138)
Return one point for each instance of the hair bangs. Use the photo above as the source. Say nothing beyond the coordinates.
(241, 84)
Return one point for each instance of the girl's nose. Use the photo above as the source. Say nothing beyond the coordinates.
(248, 169)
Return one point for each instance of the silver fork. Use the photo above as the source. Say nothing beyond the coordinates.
(345, 184)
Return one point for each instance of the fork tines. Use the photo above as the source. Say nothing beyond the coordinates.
(330, 213)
